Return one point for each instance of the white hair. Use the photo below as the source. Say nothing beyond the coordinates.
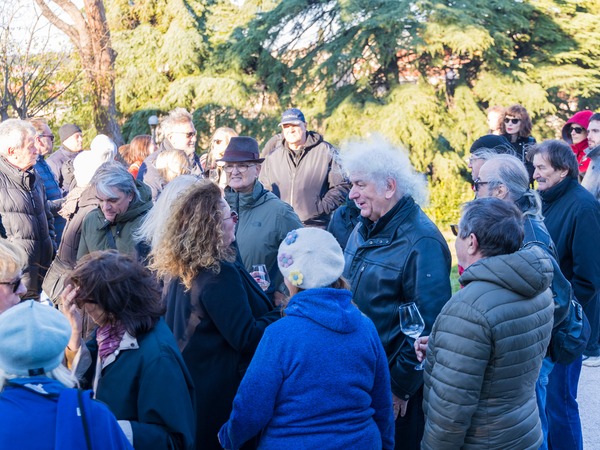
(60, 374)
(153, 226)
(14, 134)
(377, 160)
(175, 117)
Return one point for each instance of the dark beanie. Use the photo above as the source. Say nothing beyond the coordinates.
(498, 143)
(68, 130)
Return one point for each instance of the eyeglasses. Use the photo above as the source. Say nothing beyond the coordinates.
(15, 284)
(188, 134)
(513, 120)
(454, 228)
(240, 167)
(234, 217)
(577, 130)
(49, 136)
(478, 183)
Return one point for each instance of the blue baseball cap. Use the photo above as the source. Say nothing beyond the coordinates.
(293, 116)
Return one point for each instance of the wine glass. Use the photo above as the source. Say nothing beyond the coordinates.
(260, 274)
(411, 323)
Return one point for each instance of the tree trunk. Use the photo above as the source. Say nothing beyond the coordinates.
(91, 37)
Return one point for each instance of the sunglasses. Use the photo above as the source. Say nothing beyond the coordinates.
(188, 134)
(15, 284)
(513, 120)
(234, 217)
(454, 229)
(477, 183)
(577, 130)
(49, 136)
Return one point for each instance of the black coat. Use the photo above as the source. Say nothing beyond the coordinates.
(150, 387)
(401, 258)
(26, 220)
(572, 217)
(218, 324)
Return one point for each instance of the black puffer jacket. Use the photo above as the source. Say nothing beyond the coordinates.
(484, 356)
(27, 221)
(401, 258)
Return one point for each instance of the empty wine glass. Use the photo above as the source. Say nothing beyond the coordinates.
(411, 323)
(260, 274)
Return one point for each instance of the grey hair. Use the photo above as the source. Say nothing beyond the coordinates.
(498, 225)
(14, 133)
(484, 153)
(153, 226)
(175, 117)
(113, 175)
(60, 374)
(511, 173)
(377, 160)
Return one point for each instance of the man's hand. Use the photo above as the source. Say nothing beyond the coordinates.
(421, 347)
(399, 406)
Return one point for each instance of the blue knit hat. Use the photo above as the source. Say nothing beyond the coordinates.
(33, 338)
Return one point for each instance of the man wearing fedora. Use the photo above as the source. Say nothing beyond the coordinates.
(301, 169)
(264, 220)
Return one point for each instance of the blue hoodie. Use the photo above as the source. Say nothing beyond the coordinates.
(319, 379)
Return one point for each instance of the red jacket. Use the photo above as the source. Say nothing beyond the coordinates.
(581, 118)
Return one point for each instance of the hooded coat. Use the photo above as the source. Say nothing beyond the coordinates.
(485, 353)
(26, 220)
(303, 391)
(264, 221)
(581, 118)
(95, 228)
(310, 179)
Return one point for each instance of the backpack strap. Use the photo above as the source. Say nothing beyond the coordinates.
(71, 420)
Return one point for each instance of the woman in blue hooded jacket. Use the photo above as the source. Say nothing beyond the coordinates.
(319, 377)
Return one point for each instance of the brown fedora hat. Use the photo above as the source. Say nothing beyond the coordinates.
(242, 149)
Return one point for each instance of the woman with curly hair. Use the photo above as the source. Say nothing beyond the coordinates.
(217, 312)
(516, 127)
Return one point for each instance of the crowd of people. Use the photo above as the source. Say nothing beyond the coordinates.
(153, 298)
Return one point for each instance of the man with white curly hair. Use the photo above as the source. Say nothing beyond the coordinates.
(395, 255)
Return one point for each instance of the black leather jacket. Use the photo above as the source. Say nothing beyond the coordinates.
(401, 258)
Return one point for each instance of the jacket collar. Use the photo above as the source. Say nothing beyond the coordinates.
(240, 201)
(555, 192)
(26, 178)
(386, 226)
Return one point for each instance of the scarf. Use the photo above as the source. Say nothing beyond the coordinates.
(109, 338)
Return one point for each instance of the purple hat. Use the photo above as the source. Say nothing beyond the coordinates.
(241, 149)
(293, 116)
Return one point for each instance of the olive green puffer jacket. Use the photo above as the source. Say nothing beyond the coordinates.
(485, 353)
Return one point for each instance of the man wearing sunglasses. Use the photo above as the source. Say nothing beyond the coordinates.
(574, 133)
(44, 142)
(178, 133)
(25, 218)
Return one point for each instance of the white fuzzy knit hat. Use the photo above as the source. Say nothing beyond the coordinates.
(33, 338)
(85, 164)
(310, 258)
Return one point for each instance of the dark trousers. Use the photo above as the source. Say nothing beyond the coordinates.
(592, 312)
(409, 429)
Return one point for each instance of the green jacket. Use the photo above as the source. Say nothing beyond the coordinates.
(264, 221)
(95, 229)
